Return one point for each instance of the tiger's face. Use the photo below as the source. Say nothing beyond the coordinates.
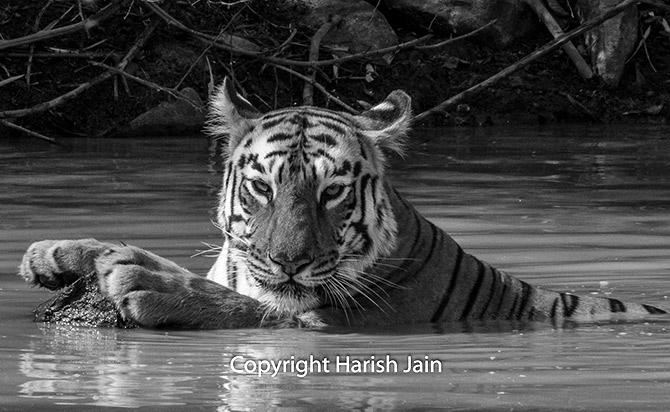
(303, 206)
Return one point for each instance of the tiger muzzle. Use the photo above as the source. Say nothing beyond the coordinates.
(291, 266)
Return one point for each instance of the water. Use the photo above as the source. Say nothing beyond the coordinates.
(576, 209)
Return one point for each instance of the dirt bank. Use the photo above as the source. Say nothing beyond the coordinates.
(549, 90)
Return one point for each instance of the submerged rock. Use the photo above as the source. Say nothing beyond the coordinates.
(611, 43)
(82, 304)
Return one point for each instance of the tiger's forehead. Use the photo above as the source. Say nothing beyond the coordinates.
(306, 135)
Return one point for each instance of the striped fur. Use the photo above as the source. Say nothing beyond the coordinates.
(312, 225)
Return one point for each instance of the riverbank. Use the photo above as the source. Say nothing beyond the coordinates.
(547, 91)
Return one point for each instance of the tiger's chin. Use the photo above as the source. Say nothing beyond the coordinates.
(288, 298)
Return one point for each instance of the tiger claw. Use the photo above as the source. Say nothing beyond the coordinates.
(57, 263)
(38, 266)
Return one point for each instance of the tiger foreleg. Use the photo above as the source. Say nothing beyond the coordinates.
(145, 288)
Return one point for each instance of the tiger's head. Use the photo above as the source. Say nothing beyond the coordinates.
(303, 207)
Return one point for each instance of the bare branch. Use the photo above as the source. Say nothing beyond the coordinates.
(318, 86)
(172, 92)
(278, 60)
(61, 31)
(84, 86)
(227, 41)
(544, 50)
(308, 90)
(14, 126)
(455, 39)
(11, 79)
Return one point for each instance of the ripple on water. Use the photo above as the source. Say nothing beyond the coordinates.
(574, 208)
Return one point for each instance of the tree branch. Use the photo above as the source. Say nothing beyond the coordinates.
(22, 129)
(458, 38)
(318, 86)
(308, 91)
(229, 42)
(61, 31)
(544, 50)
(278, 60)
(84, 86)
(172, 92)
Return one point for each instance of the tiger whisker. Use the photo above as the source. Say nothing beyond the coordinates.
(368, 288)
(211, 248)
(353, 255)
(346, 297)
(229, 233)
(374, 263)
(337, 295)
(374, 278)
(357, 286)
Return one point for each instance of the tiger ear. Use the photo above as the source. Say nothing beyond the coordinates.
(230, 114)
(387, 123)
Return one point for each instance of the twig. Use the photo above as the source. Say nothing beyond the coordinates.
(338, 60)
(66, 55)
(308, 90)
(544, 50)
(81, 16)
(277, 60)
(230, 41)
(10, 79)
(458, 38)
(14, 126)
(286, 42)
(172, 92)
(657, 4)
(580, 106)
(318, 86)
(556, 31)
(84, 86)
(207, 48)
(61, 31)
(36, 28)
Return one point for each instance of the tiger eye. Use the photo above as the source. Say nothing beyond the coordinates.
(332, 191)
(261, 187)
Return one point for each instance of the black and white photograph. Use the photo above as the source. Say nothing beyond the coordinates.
(307, 205)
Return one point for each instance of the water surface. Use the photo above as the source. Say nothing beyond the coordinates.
(572, 208)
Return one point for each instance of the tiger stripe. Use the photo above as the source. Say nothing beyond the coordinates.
(450, 289)
(352, 240)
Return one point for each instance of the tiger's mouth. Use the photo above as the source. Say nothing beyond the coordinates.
(315, 286)
(287, 288)
(289, 297)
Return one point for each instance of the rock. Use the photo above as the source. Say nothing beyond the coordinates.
(363, 27)
(448, 17)
(175, 117)
(611, 43)
(174, 57)
(81, 304)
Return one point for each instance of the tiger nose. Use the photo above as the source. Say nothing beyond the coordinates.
(291, 266)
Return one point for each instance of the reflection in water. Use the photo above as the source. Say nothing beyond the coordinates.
(574, 209)
(96, 367)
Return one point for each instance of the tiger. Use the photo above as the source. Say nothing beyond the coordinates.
(314, 235)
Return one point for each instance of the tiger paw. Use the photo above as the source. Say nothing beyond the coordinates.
(57, 263)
